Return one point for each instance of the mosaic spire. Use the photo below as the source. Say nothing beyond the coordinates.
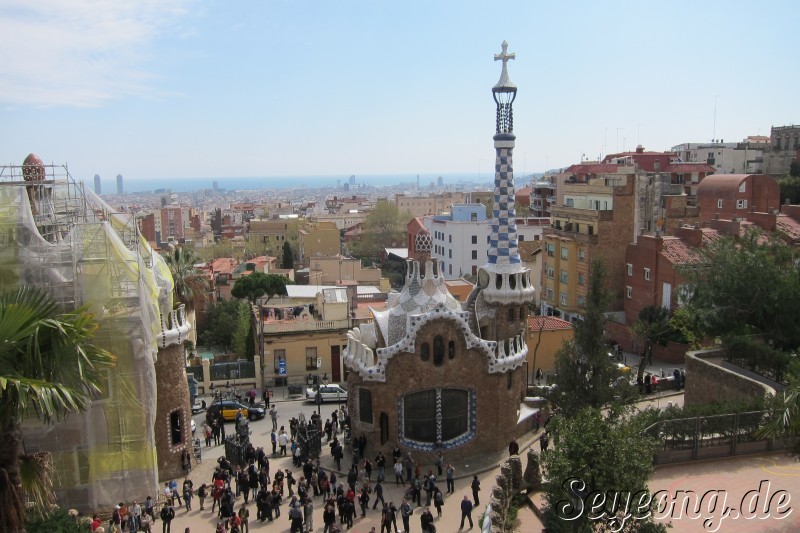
(503, 244)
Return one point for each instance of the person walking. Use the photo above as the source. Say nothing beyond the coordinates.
(466, 512)
(244, 517)
(543, 441)
(426, 521)
(450, 473)
(438, 500)
(167, 514)
(273, 414)
(398, 474)
(283, 440)
(405, 513)
(476, 487)
(439, 463)
(378, 495)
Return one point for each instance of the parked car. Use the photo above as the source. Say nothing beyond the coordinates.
(194, 426)
(329, 393)
(229, 409)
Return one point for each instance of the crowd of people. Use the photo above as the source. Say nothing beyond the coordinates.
(235, 489)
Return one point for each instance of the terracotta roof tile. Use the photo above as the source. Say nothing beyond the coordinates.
(551, 323)
(678, 252)
(788, 226)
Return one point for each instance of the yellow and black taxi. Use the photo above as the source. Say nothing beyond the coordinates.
(229, 408)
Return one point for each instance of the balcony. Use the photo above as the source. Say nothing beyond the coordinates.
(277, 327)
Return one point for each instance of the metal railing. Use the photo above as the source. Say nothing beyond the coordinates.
(708, 437)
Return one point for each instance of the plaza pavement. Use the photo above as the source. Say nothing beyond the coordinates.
(486, 467)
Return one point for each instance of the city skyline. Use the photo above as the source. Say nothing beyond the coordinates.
(183, 88)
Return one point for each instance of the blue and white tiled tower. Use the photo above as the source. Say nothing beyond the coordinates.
(504, 279)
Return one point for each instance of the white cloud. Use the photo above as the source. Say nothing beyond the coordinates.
(79, 53)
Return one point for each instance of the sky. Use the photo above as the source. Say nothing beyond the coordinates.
(211, 89)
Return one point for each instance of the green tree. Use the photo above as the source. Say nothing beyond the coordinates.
(242, 336)
(784, 418)
(742, 290)
(651, 327)
(221, 323)
(188, 281)
(48, 366)
(790, 186)
(288, 255)
(595, 452)
(584, 372)
(384, 226)
(256, 285)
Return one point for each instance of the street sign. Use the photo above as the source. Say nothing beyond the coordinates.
(282, 367)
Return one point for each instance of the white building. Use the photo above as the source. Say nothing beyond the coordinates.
(461, 239)
(744, 157)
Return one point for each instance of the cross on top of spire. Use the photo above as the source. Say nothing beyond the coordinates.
(504, 56)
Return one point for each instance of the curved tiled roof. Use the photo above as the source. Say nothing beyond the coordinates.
(720, 182)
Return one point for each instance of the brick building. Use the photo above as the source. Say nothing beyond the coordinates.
(728, 196)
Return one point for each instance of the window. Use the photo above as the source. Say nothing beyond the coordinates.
(742, 186)
(549, 271)
(581, 301)
(511, 315)
(647, 274)
(551, 249)
(425, 351)
(311, 358)
(564, 252)
(474, 239)
(550, 294)
(563, 276)
(176, 434)
(438, 350)
(521, 238)
(563, 298)
(581, 254)
(630, 269)
(629, 292)
(473, 217)
(279, 355)
(435, 416)
(475, 254)
(590, 229)
(449, 238)
(741, 204)
(451, 349)
(365, 405)
(450, 253)
(581, 279)
(719, 204)
(679, 179)
(509, 380)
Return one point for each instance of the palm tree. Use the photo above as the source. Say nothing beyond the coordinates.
(189, 281)
(48, 366)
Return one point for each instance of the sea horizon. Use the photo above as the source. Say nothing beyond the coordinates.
(188, 184)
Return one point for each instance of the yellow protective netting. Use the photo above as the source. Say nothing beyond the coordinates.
(57, 236)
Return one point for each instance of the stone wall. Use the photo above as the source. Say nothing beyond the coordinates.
(496, 403)
(173, 396)
(707, 382)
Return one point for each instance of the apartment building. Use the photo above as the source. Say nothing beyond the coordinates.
(596, 221)
(746, 157)
(434, 204)
(461, 239)
(320, 239)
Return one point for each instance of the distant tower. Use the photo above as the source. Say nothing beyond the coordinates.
(120, 189)
(440, 181)
(215, 185)
(97, 184)
(353, 180)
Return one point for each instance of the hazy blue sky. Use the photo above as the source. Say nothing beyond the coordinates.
(182, 88)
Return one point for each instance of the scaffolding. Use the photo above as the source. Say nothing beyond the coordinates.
(59, 237)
